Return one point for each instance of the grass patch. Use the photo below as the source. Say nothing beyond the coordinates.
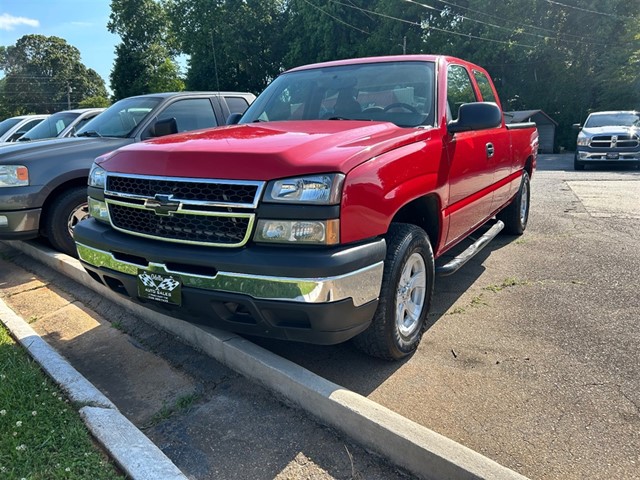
(508, 282)
(478, 300)
(183, 403)
(41, 434)
(117, 325)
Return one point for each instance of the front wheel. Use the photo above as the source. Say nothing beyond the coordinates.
(63, 215)
(577, 165)
(516, 215)
(405, 296)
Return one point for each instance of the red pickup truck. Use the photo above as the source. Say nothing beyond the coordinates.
(319, 216)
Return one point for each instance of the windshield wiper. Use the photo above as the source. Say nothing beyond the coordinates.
(88, 133)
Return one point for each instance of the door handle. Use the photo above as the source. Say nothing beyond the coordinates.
(490, 150)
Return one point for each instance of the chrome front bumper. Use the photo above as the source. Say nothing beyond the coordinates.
(362, 285)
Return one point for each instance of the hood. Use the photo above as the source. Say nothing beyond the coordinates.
(263, 151)
(59, 148)
(611, 130)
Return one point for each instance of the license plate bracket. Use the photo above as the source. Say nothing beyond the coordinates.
(160, 287)
(613, 155)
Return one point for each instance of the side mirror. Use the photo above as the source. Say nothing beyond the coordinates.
(576, 126)
(476, 116)
(164, 127)
(234, 118)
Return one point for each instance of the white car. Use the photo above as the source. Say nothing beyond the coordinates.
(61, 124)
(13, 128)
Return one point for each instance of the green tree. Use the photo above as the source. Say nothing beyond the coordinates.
(45, 75)
(231, 44)
(554, 56)
(94, 102)
(145, 59)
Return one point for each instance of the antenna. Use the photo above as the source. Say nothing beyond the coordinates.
(215, 67)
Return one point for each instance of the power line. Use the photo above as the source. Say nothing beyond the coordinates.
(510, 30)
(338, 19)
(585, 9)
(431, 27)
(580, 37)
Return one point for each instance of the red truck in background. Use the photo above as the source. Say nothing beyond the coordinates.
(319, 215)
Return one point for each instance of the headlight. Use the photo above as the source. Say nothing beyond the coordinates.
(97, 176)
(310, 232)
(583, 141)
(98, 210)
(314, 189)
(14, 176)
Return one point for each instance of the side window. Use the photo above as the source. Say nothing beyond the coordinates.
(190, 114)
(28, 126)
(237, 104)
(459, 90)
(82, 123)
(485, 87)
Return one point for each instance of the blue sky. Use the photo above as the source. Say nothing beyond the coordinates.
(82, 23)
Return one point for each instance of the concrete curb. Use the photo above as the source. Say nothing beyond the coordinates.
(132, 451)
(403, 442)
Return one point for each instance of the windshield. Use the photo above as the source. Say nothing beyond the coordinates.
(6, 125)
(397, 92)
(120, 119)
(51, 126)
(626, 119)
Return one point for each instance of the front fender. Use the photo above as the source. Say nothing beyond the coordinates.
(376, 190)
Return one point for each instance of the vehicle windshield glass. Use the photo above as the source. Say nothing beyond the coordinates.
(51, 126)
(397, 92)
(121, 118)
(630, 119)
(6, 125)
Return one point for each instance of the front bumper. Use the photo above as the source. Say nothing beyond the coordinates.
(19, 225)
(312, 295)
(607, 156)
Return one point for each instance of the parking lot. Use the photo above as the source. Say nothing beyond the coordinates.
(530, 359)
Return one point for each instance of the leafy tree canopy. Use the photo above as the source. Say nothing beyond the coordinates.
(145, 59)
(45, 75)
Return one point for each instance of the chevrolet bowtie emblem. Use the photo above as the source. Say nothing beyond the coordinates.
(162, 204)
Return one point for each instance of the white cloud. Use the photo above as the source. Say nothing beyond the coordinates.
(9, 22)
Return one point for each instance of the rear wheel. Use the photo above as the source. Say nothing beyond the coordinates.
(63, 215)
(516, 215)
(405, 296)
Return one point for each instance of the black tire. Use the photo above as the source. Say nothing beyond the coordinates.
(63, 214)
(516, 215)
(389, 336)
(576, 164)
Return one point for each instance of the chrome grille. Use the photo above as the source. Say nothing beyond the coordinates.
(193, 211)
(197, 229)
(198, 190)
(614, 141)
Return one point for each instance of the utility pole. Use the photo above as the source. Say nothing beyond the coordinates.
(69, 90)
(404, 45)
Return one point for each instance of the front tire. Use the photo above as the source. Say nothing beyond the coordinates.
(516, 215)
(65, 212)
(405, 296)
(577, 165)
